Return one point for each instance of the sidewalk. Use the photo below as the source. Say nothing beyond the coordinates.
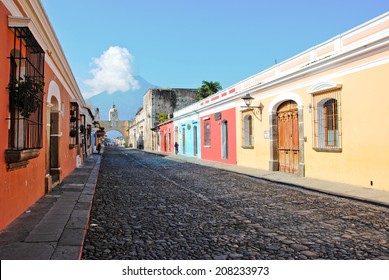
(55, 226)
(369, 195)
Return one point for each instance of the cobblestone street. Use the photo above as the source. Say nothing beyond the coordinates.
(149, 207)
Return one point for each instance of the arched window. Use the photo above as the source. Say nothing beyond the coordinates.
(330, 116)
(327, 123)
(248, 131)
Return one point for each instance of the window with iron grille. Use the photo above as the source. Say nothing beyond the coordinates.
(26, 86)
(74, 125)
(327, 121)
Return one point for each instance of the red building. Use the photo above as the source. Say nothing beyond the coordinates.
(218, 132)
(166, 137)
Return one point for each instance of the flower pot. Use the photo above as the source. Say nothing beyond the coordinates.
(73, 133)
(100, 133)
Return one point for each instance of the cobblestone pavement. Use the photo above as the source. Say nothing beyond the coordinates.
(148, 207)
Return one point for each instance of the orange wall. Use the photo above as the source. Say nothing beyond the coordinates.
(67, 156)
(19, 189)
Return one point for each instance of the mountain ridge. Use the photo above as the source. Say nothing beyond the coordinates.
(127, 103)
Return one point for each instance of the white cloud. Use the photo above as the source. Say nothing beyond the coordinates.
(112, 72)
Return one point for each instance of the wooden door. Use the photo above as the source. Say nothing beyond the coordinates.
(288, 137)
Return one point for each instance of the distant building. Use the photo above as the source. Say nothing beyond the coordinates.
(156, 102)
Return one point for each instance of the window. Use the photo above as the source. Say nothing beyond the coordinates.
(327, 121)
(74, 125)
(330, 127)
(248, 131)
(207, 134)
(26, 86)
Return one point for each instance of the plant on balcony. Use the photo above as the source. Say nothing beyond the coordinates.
(24, 94)
(73, 132)
(100, 132)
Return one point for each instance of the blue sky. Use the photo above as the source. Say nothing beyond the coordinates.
(179, 43)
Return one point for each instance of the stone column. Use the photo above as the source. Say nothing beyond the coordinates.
(301, 171)
(273, 125)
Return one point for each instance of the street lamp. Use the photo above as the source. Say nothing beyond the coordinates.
(257, 109)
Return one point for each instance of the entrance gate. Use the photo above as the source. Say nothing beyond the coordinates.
(288, 137)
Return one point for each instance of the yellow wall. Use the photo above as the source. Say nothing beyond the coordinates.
(365, 140)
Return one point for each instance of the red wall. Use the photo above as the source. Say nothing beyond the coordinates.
(214, 151)
(165, 129)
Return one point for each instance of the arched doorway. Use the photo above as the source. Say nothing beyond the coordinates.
(54, 112)
(54, 166)
(115, 137)
(287, 134)
(288, 137)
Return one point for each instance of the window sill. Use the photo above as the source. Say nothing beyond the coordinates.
(207, 147)
(248, 147)
(19, 159)
(328, 150)
(72, 146)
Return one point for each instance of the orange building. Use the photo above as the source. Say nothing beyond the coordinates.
(44, 122)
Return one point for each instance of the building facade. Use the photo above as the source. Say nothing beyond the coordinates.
(166, 137)
(44, 121)
(317, 114)
(187, 131)
(219, 135)
(156, 102)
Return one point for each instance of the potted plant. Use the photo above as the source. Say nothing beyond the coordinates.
(73, 132)
(73, 118)
(82, 129)
(25, 94)
(100, 132)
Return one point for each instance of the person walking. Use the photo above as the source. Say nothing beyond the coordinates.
(176, 147)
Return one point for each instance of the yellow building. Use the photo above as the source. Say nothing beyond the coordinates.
(322, 113)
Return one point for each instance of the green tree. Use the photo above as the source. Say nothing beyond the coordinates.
(207, 89)
(162, 117)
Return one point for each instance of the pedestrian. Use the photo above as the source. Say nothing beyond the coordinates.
(98, 148)
(176, 147)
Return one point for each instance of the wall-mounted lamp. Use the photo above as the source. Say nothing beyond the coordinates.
(257, 109)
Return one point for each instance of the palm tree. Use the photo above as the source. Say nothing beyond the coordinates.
(207, 89)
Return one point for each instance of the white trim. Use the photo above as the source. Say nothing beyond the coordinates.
(324, 86)
(59, 76)
(54, 91)
(282, 98)
(12, 8)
